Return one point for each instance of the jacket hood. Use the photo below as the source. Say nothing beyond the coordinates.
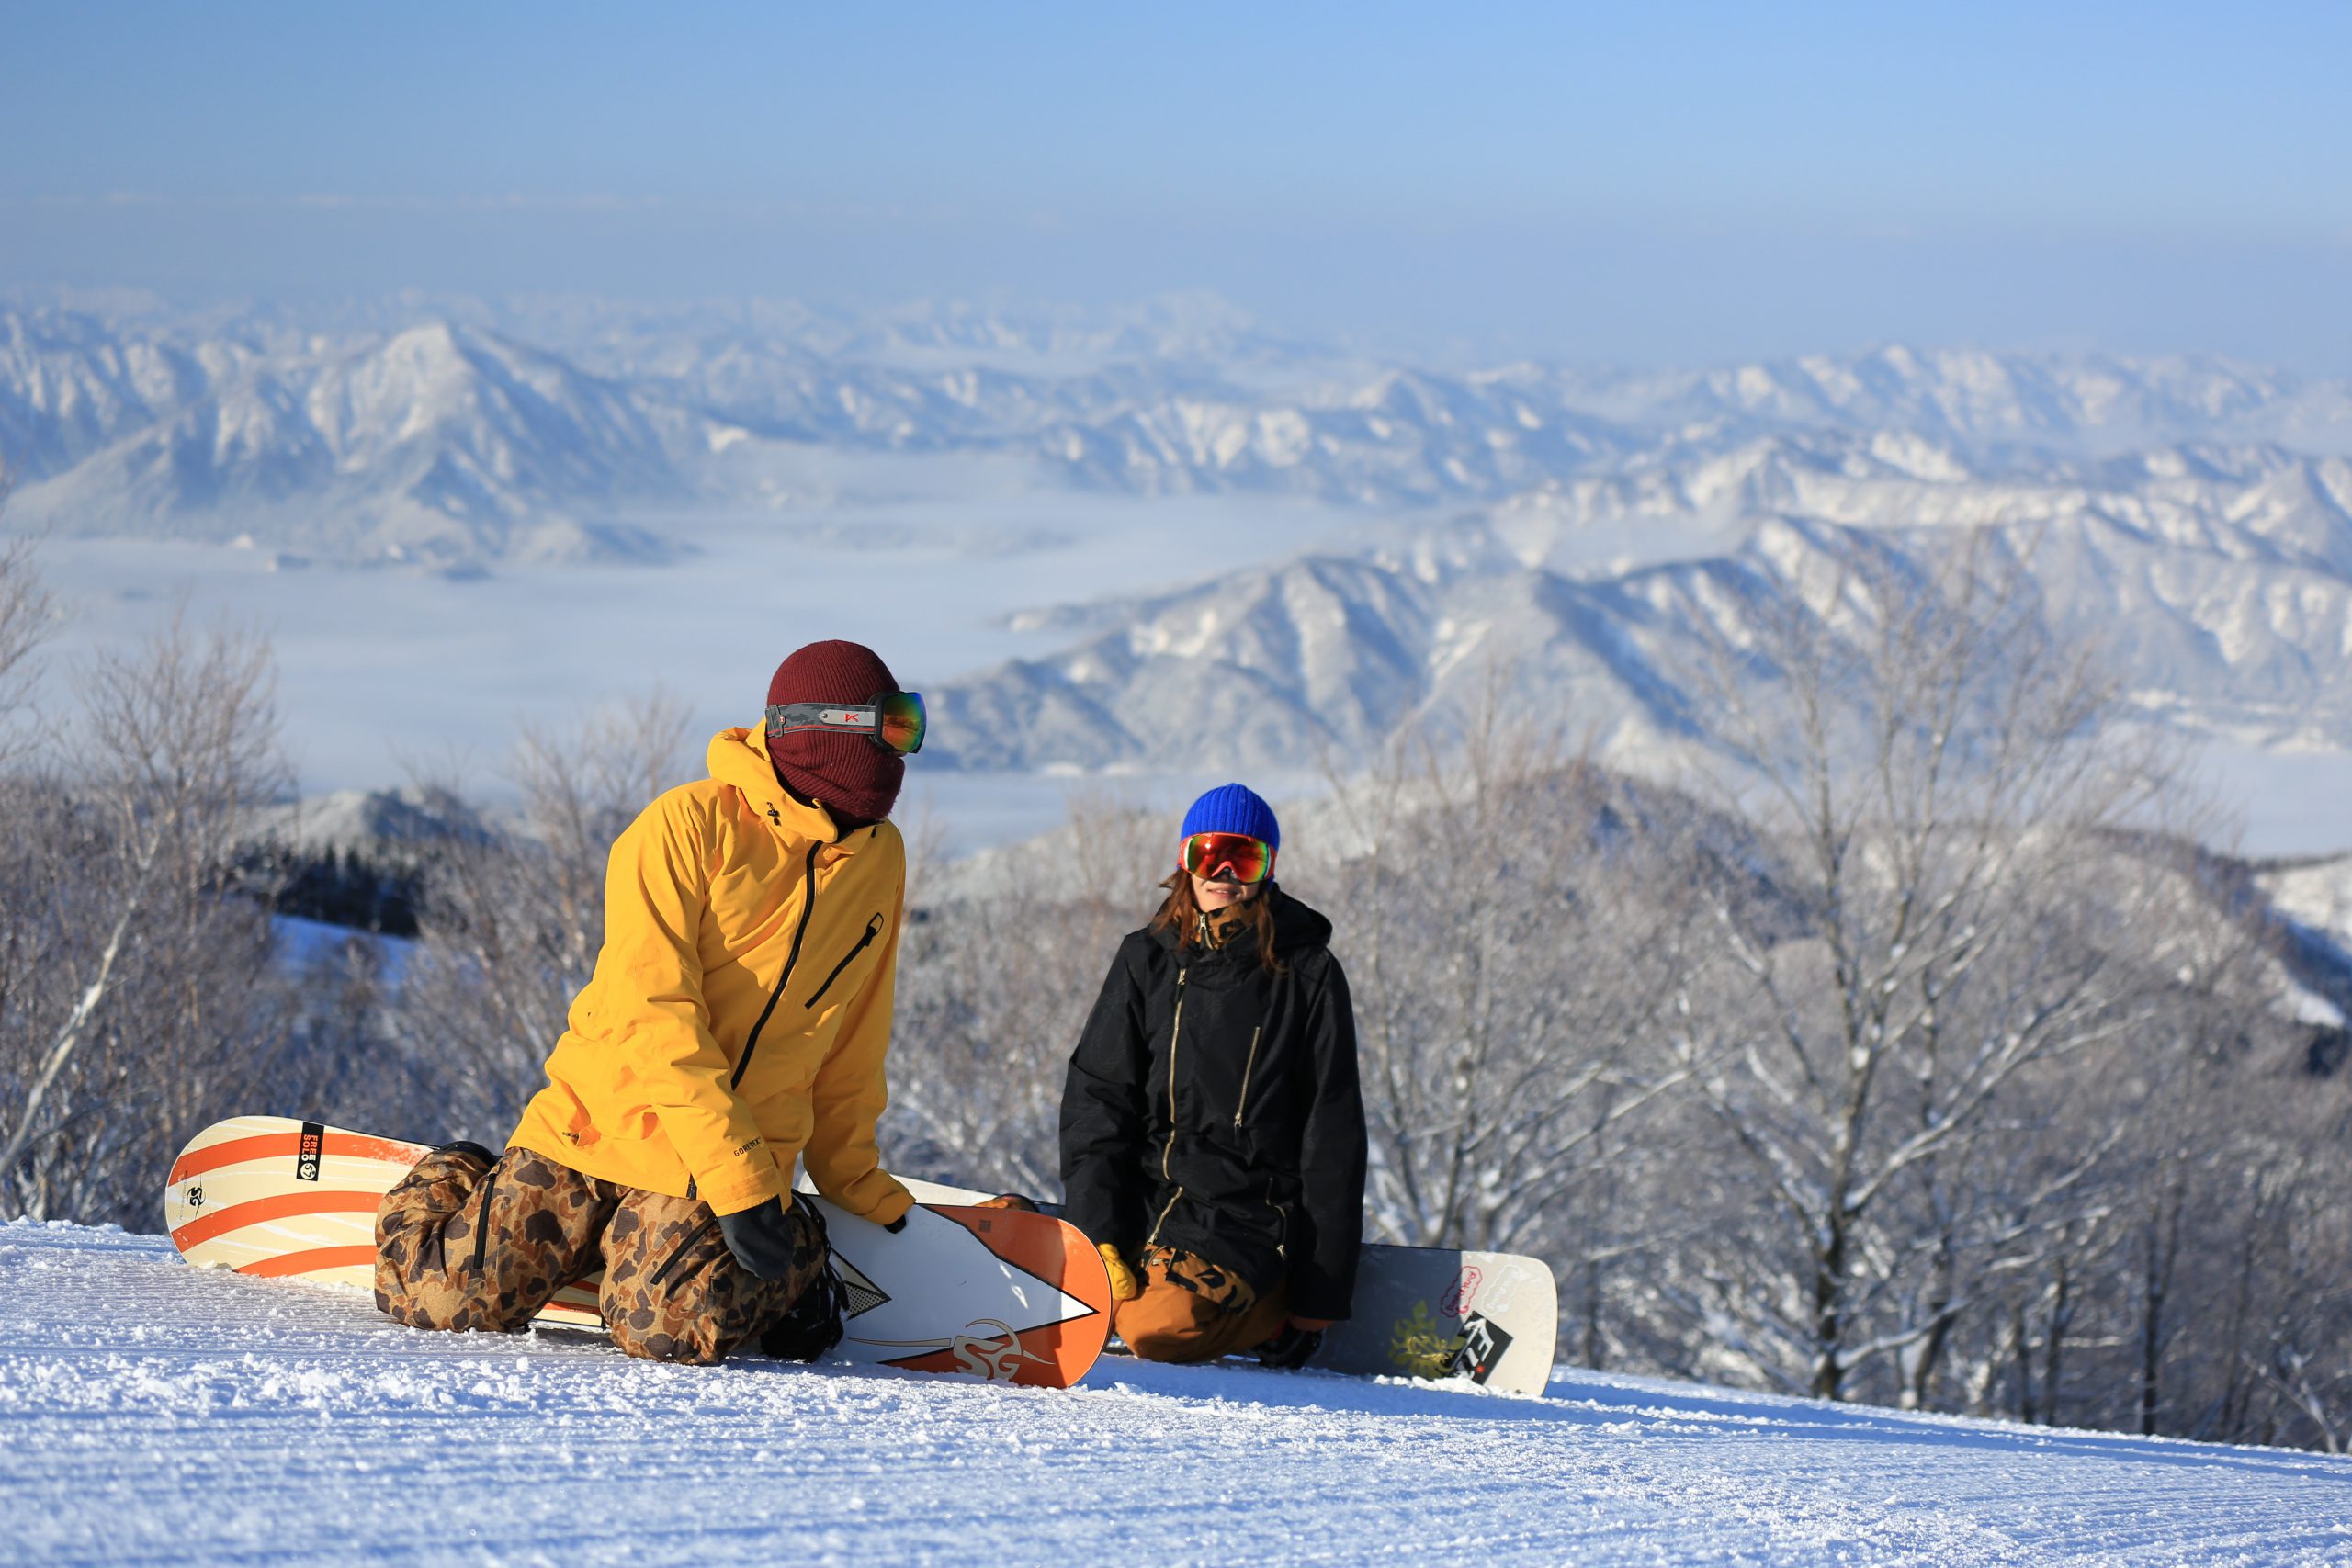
(739, 757)
(1296, 925)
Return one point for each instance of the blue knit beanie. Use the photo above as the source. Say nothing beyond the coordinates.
(1233, 809)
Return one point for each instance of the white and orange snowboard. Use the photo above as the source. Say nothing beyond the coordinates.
(1003, 1295)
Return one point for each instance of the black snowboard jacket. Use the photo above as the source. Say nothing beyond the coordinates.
(1213, 1106)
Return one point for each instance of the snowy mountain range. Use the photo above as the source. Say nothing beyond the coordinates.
(438, 439)
(455, 430)
(2219, 578)
(1586, 529)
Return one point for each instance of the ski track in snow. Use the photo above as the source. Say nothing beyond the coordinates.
(155, 1413)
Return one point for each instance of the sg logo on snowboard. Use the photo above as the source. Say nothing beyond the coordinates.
(995, 1358)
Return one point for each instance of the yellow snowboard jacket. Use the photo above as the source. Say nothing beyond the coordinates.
(740, 1010)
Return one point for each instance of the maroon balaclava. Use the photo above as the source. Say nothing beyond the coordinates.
(847, 774)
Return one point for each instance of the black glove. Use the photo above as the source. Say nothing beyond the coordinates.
(1294, 1347)
(764, 1240)
(813, 1325)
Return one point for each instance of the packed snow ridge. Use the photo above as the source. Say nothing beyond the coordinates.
(152, 1411)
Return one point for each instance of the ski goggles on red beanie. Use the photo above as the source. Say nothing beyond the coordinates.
(895, 721)
(1227, 857)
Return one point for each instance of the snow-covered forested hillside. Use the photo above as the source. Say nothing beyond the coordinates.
(2218, 579)
(150, 1412)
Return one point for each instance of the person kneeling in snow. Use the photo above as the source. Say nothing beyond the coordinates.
(1212, 1126)
(737, 1021)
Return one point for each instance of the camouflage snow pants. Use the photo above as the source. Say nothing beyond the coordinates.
(459, 1246)
(1190, 1310)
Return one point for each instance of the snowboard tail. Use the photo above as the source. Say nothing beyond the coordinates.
(1492, 1318)
(1003, 1295)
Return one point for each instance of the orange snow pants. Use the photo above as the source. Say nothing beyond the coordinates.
(460, 1245)
(1190, 1310)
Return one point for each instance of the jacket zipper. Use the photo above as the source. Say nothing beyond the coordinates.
(1167, 1150)
(1175, 1032)
(1281, 1221)
(1246, 1068)
(873, 930)
(1162, 1220)
(807, 907)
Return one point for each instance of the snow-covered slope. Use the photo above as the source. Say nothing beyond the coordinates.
(153, 1411)
(2311, 902)
(2316, 893)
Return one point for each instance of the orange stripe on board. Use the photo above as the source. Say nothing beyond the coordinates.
(260, 1211)
(261, 1145)
(236, 1151)
(318, 1260)
(1054, 1250)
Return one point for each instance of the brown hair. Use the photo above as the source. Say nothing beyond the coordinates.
(1180, 912)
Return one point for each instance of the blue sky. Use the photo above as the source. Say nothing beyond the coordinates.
(1666, 181)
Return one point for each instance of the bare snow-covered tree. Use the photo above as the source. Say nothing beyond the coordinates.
(2052, 1237)
(514, 911)
(1511, 947)
(133, 980)
(999, 965)
(1930, 773)
(26, 610)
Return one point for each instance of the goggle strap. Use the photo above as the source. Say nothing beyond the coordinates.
(867, 719)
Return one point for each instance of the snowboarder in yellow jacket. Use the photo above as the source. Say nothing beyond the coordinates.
(737, 1022)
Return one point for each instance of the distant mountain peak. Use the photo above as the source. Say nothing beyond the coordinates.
(466, 424)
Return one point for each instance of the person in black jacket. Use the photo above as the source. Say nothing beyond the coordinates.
(1212, 1125)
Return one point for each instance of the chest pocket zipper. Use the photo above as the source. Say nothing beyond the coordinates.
(1246, 1068)
(791, 962)
(873, 930)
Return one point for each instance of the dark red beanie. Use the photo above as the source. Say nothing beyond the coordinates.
(851, 776)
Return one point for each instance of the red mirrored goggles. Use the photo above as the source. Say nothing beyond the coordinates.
(892, 720)
(1228, 857)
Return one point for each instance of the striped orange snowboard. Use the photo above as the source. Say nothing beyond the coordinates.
(1007, 1296)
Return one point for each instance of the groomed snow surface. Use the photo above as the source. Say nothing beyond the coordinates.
(150, 1412)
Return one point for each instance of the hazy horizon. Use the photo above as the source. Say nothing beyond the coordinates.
(1369, 340)
(1682, 186)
